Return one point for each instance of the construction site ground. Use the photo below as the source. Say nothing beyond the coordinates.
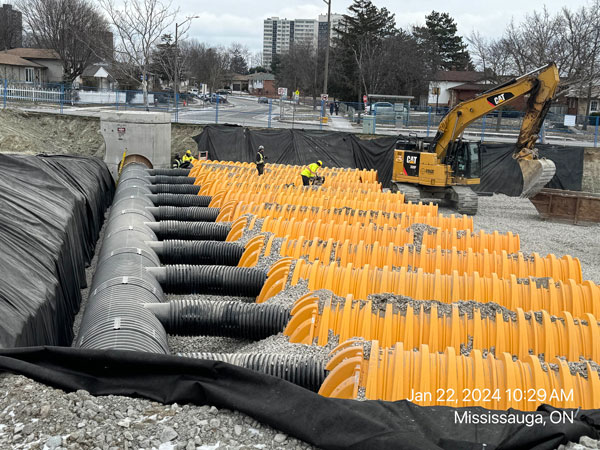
(37, 416)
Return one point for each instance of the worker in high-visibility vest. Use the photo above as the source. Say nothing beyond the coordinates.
(260, 160)
(310, 172)
(187, 160)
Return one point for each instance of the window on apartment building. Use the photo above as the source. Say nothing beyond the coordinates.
(594, 106)
(29, 75)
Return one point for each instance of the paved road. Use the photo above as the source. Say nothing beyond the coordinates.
(246, 111)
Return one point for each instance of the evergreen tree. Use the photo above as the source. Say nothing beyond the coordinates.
(443, 47)
(357, 52)
(238, 62)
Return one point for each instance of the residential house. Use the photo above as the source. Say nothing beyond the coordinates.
(44, 57)
(236, 82)
(577, 103)
(98, 76)
(262, 84)
(16, 69)
(440, 87)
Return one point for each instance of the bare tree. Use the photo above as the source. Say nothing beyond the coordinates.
(139, 25)
(75, 29)
(208, 65)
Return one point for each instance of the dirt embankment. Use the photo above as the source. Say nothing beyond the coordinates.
(32, 132)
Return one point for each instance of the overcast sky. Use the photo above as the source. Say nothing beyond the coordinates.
(226, 21)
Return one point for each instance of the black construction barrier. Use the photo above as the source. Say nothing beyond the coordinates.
(337, 149)
(213, 318)
(323, 422)
(52, 209)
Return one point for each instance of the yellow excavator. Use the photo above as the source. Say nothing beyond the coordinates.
(446, 167)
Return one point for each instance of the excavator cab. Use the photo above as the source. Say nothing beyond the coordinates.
(465, 160)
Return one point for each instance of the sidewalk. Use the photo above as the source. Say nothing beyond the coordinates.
(340, 123)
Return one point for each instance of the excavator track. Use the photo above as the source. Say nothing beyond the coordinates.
(464, 200)
(410, 191)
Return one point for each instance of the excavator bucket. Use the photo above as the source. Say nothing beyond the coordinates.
(536, 174)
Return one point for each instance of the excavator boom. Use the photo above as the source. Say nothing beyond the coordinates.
(540, 84)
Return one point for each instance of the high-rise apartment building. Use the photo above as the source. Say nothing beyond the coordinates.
(11, 28)
(336, 23)
(280, 34)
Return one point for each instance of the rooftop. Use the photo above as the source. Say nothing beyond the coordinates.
(34, 53)
(13, 60)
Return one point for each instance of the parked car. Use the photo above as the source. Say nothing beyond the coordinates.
(263, 100)
(383, 109)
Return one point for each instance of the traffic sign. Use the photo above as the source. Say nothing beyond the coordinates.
(297, 93)
(282, 92)
(364, 99)
(324, 97)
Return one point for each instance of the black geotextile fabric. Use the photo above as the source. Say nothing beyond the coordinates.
(501, 172)
(324, 422)
(52, 209)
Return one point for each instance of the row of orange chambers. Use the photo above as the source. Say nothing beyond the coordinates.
(579, 335)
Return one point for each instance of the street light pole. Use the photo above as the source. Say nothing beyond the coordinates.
(327, 47)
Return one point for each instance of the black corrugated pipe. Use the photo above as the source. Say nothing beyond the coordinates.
(306, 371)
(212, 280)
(126, 237)
(180, 200)
(115, 317)
(213, 318)
(128, 191)
(174, 188)
(126, 262)
(169, 172)
(191, 213)
(202, 231)
(165, 179)
(202, 253)
(133, 203)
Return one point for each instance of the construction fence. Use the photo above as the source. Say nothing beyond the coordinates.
(283, 113)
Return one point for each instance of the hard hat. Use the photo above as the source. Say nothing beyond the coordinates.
(320, 163)
(189, 152)
(260, 147)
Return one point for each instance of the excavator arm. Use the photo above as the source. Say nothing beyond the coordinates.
(541, 85)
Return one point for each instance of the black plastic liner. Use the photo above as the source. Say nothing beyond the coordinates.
(336, 149)
(323, 422)
(52, 211)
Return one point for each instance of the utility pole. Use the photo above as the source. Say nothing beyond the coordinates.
(327, 47)
(176, 87)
